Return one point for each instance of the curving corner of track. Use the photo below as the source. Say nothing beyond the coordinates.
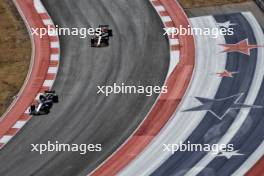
(42, 72)
(182, 60)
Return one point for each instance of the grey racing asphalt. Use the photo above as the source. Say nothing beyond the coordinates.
(138, 55)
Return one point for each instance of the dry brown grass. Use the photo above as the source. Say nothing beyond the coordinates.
(15, 54)
(205, 3)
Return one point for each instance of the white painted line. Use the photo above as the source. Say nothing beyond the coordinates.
(166, 19)
(47, 22)
(174, 60)
(53, 70)
(48, 83)
(5, 139)
(19, 124)
(159, 8)
(175, 55)
(54, 57)
(52, 34)
(27, 110)
(37, 97)
(54, 44)
(39, 6)
(174, 42)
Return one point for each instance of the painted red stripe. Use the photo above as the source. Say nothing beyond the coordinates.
(174, 47)
(50, 76)
(12, 131)
(173, 36)
(169, 24)
(54, 50)
(24, 117)
(156, 3)
(53, 38)
(53, 63)
(44, 16)
(257, 169)
(164, 13)
(184, 73)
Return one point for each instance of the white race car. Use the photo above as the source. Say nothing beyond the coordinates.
(44, 104)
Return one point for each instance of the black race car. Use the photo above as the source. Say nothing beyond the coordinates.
(44, 104)
(49, 95)
(103, 39)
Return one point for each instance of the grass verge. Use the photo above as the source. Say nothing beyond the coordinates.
(15, 54)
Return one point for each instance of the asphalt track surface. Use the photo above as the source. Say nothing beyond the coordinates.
(138, 54)
(211, 129)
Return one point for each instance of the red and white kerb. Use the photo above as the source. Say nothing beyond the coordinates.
(174, 42)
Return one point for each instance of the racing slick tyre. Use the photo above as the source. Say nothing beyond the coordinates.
(55, 99)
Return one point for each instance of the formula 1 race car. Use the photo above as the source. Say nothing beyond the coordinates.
(49, 95)
(44, 103)
(103, 39)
